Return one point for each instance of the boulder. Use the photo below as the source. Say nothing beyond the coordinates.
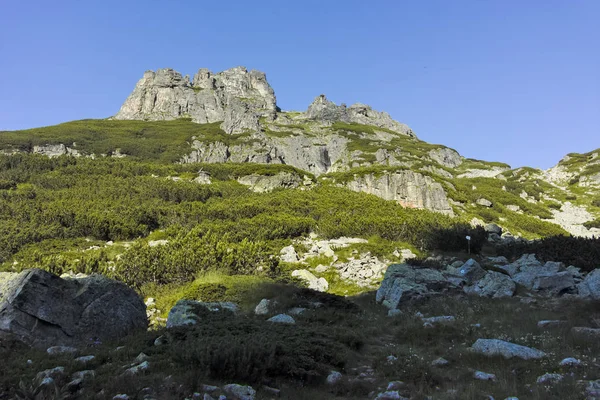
(471, 271)
(288, 254)
(239, 392)
(495, 347)
(282, 319)
(554, 284)
(190, 312)
(493, 284)
(314, 283)
(264, 307)
(43, 310)
(493, 228)
(484, 202)
(403, 282)
(590, 287)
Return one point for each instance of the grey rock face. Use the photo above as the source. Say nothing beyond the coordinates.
(42, 310)
(263, 184)
(590, 287)
(190, 312)
(403, 282)
(239, 392)
(408, 188)
(471, 271)
(554, 284)
(322, 109)
(235, 96)
(446, 157)
(493, 347)
(494, 285)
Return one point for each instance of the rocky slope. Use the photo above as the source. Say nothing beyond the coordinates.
(232, 117)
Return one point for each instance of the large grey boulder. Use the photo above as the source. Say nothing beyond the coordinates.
(493, 284)
(191, 312)
(235, 96)
(590, 287)
(314, 283)
(496, 347)
(554, 284)
(409, 188)
(43, 310)
(471, 271)
(446, 157)
(403, 282)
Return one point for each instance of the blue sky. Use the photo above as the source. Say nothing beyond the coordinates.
(503, 80)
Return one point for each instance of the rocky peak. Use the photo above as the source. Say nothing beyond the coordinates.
(235, 96)
(322, 109)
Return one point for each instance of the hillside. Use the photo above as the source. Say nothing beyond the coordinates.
(205, 190)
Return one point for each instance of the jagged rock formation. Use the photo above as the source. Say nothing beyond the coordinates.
(408, 188)
(235, 96)
(322, 109)
(40, 309)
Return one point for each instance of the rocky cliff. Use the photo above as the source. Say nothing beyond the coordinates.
(235, 96)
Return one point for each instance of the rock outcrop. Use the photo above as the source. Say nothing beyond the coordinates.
(41, 309)
(322, 109)
(409, 188)
(235, 96)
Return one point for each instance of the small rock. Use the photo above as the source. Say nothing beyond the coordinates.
(282, 319)
(391, 359)
(57, 350)
(74, 385)
(334, 377)
(441, 320)
(140, 358)
(209, 388)
(395, 385)
(262, 308)
(239, 392)
(54, 373)
(484, 376)
(440, 362)
(47, 381)
(161, 340)
(205, 397)
(138, 368)
(549, 378)
(121, 397)
(493, 347)
(83, 375)
(570, 362)
(484, 202)
(85, 359)
(390, 395)
(547, 324)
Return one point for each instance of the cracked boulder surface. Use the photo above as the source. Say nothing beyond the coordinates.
(41, 309)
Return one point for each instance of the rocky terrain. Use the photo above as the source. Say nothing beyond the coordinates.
(205, 244)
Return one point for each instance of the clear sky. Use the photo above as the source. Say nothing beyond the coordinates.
(501, 80)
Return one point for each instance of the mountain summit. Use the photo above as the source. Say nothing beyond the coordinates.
(238, 97)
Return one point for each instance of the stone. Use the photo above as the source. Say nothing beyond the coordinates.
(554, 284)
(58, 350)
(314, 283)
(85, 359)
(494, 347)
(592, 390)
(364, 271)
(288, 254)
(296, 311)
(263, 308)
(403, 282)
(390, 395)
(570, 362)
(440, 362)
(394, 313)
(190, 312)
(55, 373)
(445, 156)
(334, 377)
(484, 376)
(136, 369)
(549, 324)
(121, 397)
(140, 358)
(282, 319)
(271, 391)
(239, 392)
(590, 287)
(493, 284)
(484, 202)
(471, 271)
(549, 378)
(83, 375)
(441, 320)
(43, 310)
